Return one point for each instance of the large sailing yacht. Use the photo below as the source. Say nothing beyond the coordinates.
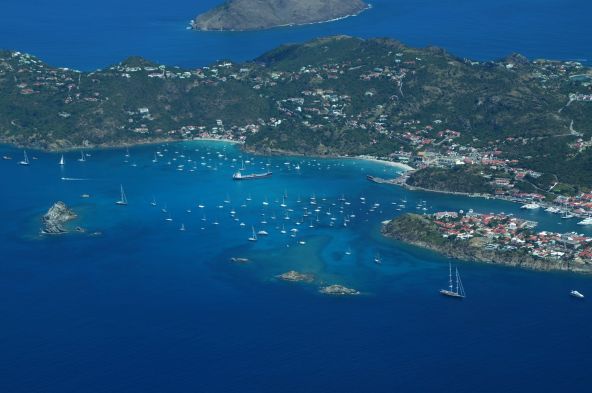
(456, 291)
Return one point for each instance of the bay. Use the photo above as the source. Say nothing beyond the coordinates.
(145, 307)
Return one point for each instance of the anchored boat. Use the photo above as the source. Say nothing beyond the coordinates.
(239, 176)
(455, 291)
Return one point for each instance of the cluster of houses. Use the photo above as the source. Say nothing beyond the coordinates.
(508, 233)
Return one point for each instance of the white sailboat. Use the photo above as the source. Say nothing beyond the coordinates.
(576, 294)
(82, 157)
(456, 291)
(62, 161)
(25, 160)
(253, 237)
(377, 259)
(123, 200)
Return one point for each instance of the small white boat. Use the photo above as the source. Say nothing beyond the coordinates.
(82, 157)
(25, 160)
(253, 237)
(123, 200)
(576, 294)
(62, 161)
(182, 229)
(530, 206)
(586, 221)
(262, 233)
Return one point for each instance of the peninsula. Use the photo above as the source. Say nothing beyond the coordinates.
(239, 15)
(493, 238)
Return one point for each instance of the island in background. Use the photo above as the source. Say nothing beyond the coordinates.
(240, 15)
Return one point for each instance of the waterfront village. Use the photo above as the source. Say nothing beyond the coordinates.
(508, 233)
(423, 144)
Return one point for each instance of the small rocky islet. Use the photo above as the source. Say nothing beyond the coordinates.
(294, 276)
(53, 222)
(338, 290)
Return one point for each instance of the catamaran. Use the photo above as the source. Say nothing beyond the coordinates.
(25, 160)
(123, 200)
(452, 291)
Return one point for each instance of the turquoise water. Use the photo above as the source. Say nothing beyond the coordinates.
(145, 307)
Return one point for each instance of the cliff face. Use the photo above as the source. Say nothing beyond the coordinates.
(264, 14)
(419, 231)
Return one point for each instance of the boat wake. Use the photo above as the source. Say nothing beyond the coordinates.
(72, 179)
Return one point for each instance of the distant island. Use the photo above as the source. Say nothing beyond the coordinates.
(493, 238)
(240, 15)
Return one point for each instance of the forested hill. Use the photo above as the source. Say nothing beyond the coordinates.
(337, 95)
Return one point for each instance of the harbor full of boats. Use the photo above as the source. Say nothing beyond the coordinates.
(188, 192)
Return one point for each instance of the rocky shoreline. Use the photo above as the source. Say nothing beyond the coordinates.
(420, 232)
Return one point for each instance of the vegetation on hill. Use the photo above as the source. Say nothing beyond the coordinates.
(264, 14)
(331, 96)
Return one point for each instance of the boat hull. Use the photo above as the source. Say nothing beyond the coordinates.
(448, 293)
(251, 177)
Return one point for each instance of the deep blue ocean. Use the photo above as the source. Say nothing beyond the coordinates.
(144, 307)
(91, 34)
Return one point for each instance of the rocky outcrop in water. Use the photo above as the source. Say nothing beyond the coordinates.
(295, 276)
(56, 217)
(339, 290)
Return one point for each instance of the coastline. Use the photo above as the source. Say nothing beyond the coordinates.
(279, 152)
(417, 234)
(119, 145)
(398, 165)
